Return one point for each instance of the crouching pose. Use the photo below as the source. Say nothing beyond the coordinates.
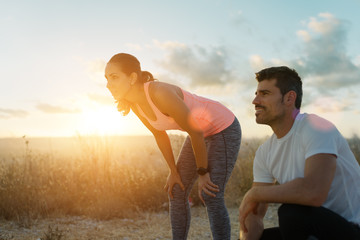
(318, 175)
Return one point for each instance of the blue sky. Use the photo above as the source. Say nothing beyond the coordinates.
(53, 55)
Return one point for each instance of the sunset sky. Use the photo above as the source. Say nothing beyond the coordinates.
(53, 53)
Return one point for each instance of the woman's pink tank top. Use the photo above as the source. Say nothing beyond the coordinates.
(211, 117)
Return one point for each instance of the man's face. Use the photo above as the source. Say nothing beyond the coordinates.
(268, 103)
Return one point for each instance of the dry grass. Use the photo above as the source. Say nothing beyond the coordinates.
(103, 182)
(94, 185)
(142, 226)
(108, 179)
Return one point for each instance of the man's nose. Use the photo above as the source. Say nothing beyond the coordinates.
(255, 100)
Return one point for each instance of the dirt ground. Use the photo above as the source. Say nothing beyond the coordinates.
(149, 226)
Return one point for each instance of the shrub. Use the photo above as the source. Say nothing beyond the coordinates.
(107, 179)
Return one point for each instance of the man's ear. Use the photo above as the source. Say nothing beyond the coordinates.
(290, 97)
(133, 78)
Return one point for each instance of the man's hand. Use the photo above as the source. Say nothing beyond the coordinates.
(247, 206)
(255, 225)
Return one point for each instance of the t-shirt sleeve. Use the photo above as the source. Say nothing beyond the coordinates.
(260, 170)
(319, 136)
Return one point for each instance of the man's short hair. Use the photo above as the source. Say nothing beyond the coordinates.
(286, 80)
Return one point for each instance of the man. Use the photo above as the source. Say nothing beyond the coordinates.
(317, 174)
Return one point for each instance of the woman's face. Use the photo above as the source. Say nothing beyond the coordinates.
(118, 82)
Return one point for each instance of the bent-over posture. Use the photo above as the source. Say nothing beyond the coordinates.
(209, 152)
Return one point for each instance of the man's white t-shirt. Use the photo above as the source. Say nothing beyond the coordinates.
(284, 160)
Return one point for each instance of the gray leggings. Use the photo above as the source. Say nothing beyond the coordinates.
(222, 150)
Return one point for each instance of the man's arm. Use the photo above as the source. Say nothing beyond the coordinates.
(311, 190)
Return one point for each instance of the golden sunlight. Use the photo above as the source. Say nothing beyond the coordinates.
(108, 121)
(102, 121)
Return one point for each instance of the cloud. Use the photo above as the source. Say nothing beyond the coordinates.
(12, 113)
(331, 104)
(324, 61)
(51, 109)
(326, 26)
(198, 65)
(323, 64)
(257, 62)
(357, 61)
(304, 35)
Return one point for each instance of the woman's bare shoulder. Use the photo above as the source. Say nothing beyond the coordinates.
(164, 90)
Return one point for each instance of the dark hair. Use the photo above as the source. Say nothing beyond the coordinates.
(130, 64)
(286, 80)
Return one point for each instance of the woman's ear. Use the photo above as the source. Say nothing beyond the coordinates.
(133, 78)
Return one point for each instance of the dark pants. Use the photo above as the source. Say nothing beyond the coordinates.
(297, 222)
(222, 149)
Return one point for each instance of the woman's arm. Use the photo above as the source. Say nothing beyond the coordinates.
(164, 144)
(169, 100)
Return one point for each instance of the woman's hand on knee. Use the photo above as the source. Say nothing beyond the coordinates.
(173, 178)
(205, 184)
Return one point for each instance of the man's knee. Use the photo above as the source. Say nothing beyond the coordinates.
(295, 221)
(286, 210)
(293, 213)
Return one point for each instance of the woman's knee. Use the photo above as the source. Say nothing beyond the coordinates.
(178, 193)
(216, 201)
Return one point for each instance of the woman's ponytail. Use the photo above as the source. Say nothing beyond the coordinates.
(146, 76)
(130, 64)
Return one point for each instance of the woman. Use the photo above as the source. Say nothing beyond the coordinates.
(209, 152)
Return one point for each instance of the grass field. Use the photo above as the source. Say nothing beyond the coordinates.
(142, 226)
(98, 178)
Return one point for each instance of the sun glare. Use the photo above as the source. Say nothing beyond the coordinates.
(105, 121)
